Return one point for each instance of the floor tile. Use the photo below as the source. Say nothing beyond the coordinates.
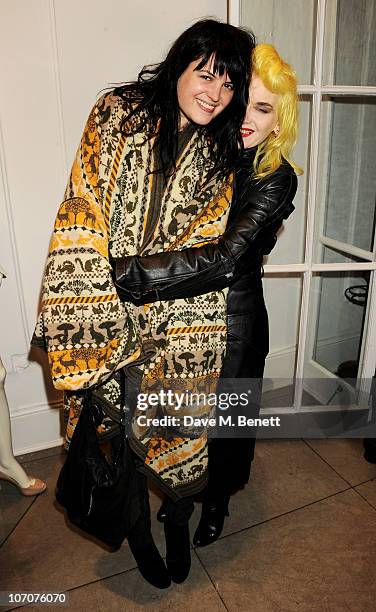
(12, 503)
(129, 591)
(44, 552)
(13, 506)
(285, 475)
(368, 491)
(42, 454)
(319, 558)
(47, 468)
(346, 457)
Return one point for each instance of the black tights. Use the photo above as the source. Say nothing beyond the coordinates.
(223, 454)
(178, 512)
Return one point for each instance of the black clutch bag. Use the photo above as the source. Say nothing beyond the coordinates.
(99, 495)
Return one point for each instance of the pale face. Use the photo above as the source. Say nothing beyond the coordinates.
(261, 118)
(202, 94)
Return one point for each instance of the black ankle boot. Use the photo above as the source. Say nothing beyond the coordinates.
(211, 522)
(146, 554)
(178, 552)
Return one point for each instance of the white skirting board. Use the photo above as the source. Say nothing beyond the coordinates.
(37, 428)
(279, 368)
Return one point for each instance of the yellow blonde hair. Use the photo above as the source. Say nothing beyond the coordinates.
(279, 78)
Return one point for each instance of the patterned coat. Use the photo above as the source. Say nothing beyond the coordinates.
(114, 206)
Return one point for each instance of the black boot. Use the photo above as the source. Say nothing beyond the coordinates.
(211, 522)
(146, 554)
(178, 552)
(369, 445)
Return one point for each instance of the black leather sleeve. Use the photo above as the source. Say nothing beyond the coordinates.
(262, 206)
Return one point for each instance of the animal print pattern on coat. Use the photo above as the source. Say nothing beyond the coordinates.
(87, 331)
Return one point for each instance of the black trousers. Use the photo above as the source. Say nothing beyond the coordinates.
(230, 458)
(224, 454)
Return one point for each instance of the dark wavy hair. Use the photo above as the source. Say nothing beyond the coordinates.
(155, 91)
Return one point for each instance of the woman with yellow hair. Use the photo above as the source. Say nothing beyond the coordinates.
(264, 186)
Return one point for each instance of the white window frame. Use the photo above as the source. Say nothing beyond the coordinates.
(306, 269)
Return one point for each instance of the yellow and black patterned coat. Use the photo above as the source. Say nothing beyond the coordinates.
(114, 206)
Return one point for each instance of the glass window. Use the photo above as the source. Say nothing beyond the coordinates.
(350, 43)
(347, 172)
(282, 299)
(272, 21)
(291, 237)
(336, 323)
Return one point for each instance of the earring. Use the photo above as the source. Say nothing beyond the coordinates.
(276, 131)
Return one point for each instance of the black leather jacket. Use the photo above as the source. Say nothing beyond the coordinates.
(235, 259)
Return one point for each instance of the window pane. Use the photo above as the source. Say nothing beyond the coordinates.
(340, 321)
(338, 304)
(347, 172)
(336, 331)
(282, 298)
(350, 44)
(291, 237)
(272, 21)
(332, 255)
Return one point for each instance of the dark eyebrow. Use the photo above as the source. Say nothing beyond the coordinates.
(264, 105)
(207, 72)
(228, 80)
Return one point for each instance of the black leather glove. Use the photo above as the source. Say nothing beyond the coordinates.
(255, 218)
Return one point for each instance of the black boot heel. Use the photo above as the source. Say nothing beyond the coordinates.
(148, 559)
(211, 522)
(178, 551)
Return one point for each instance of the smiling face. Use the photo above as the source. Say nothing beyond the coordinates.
(261, 118)
(202, 94)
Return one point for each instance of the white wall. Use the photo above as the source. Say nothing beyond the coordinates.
(55, 56)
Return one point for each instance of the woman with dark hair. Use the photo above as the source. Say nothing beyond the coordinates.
(152, 167)
(165, 92)
(265, 185)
